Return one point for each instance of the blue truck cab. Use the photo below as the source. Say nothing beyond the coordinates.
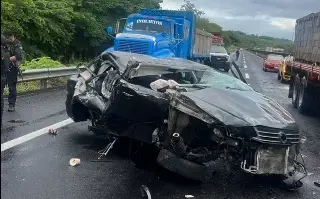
(158, 33)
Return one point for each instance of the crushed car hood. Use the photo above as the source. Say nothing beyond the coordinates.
(241, 108)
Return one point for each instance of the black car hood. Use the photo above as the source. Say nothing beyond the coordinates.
(241, 108)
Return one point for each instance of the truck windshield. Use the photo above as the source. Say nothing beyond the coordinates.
(218, 49)
(150, 25)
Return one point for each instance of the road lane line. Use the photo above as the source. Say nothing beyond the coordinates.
(247, 76)
(245, 66)
(30, 136)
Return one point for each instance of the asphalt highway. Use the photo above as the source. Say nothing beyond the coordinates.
(39, 168)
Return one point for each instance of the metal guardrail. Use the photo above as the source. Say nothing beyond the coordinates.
(47, 73)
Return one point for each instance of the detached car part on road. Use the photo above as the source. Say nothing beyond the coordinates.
(208, 116)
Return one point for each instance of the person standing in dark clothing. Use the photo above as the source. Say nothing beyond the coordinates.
(237, 54)
(15, 60)
(5, 61)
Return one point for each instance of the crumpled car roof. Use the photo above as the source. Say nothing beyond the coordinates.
(151, 66)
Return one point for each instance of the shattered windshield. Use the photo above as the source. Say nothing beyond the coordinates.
(214, 79)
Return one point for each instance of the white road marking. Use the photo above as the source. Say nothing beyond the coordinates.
(30, 136)
(247, 76)
(245, 66)
(284, 87)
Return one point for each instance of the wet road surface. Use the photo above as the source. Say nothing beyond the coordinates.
(39, 168)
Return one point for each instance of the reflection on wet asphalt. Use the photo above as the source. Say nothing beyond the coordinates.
(40, 168)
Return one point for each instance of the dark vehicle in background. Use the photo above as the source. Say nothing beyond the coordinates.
(272, 62)
(219, 58)
(189, 113)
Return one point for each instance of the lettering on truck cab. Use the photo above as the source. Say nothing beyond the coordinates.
(149, 21)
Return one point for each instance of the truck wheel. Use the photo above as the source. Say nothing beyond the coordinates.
(295, 94)
(304, 100)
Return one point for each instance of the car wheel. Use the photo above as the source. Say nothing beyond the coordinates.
(264, 69)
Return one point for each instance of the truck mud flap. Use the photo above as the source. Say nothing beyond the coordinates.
(183, 167)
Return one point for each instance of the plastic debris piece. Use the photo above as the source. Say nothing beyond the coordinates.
(105, 151)
(317, 184)
(189, 196)
(52, 131)
(145, 192)
(303, 139)
(74, 162)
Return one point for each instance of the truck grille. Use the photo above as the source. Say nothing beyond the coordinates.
(139, 47)
(276, 136)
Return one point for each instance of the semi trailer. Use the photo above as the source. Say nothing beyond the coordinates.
(304, 67)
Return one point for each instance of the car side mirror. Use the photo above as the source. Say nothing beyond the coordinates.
(109, 30)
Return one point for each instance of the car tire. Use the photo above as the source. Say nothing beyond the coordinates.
(264, 69)
(295, 95)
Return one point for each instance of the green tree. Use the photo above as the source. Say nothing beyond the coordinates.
(188, 6)
(72, 29)
(202, 23)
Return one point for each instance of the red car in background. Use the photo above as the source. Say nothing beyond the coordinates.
(272, 62)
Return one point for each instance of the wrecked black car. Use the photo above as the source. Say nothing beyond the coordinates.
(191, 113)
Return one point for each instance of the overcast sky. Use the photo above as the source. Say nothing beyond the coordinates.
(263, 17)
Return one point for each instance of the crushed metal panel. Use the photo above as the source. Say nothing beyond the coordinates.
(241, 108)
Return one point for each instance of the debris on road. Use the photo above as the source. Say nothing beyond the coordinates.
(189, 196)
(106, 150)
(317, 184)
(52, 131)
(145, 192)
(74, 161)
(18, 121)
(303, 139)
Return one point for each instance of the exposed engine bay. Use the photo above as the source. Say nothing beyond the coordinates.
(191, 113)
